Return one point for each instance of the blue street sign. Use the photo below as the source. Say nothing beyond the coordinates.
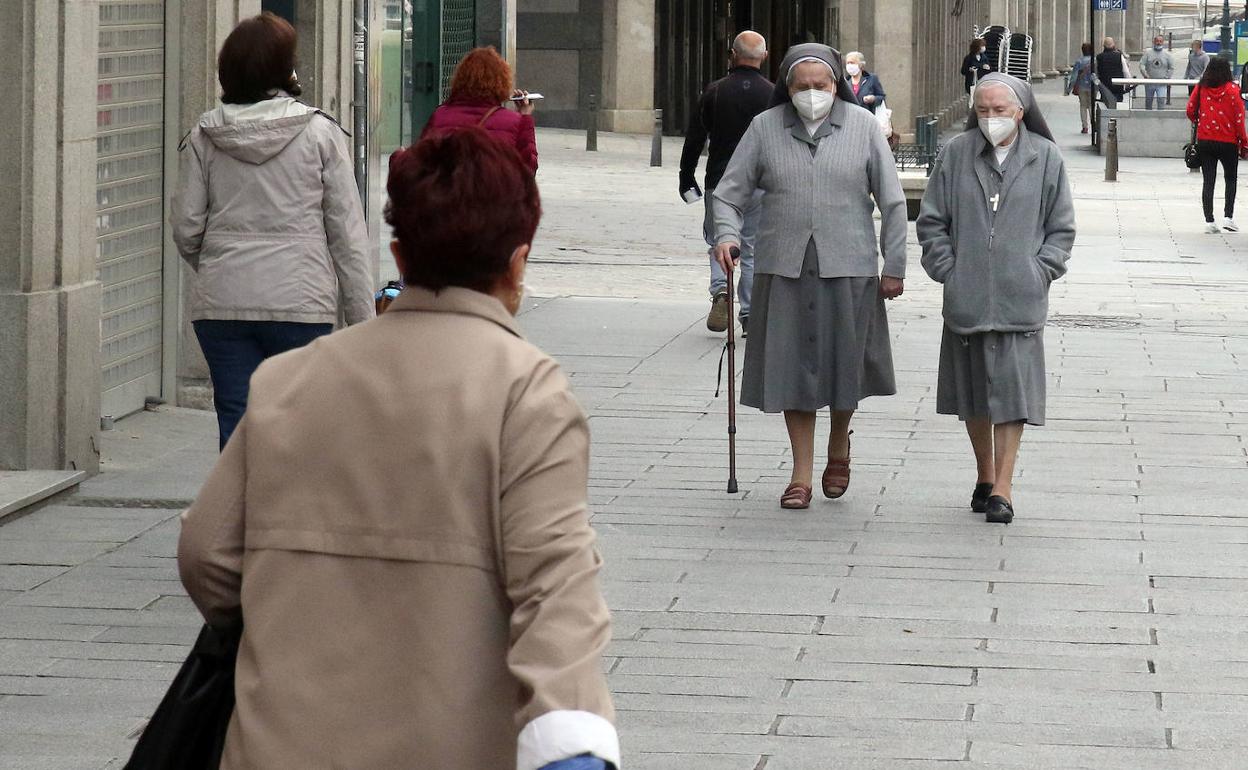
(1109, 5)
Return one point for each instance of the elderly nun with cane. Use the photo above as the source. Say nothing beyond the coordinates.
(818, 328)
(997, 226)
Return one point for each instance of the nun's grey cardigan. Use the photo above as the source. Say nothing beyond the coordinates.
(827, 195)
(997, 265)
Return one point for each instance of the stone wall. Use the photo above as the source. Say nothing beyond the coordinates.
(49, 294)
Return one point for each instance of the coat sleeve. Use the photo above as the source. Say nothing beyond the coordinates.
(891, 200)
(345, 230)
(695, 141)
(1193, 104)
(188, 216)
(877, 88)
(737, 186)
(935, 224)
(559, 620)
(526, 142)
(210, 548)
(1059, 223)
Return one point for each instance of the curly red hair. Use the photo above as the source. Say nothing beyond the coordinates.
(481, 75)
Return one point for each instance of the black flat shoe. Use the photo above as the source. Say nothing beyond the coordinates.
(999, 510)
(979, 498)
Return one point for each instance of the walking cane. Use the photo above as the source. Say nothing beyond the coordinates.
(732, 382)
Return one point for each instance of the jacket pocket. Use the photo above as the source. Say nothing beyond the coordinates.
(1022, 293)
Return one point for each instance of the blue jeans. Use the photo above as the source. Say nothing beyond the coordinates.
(1152, 93)
(235, 349)
(745, 274)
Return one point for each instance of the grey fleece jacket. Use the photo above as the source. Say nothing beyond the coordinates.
(268, 216)
(997, 265)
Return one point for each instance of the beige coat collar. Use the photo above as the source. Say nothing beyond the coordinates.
(455, 299)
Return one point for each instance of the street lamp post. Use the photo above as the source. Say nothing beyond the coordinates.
(1225, 53)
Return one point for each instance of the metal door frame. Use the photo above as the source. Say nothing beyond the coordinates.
(171, 263)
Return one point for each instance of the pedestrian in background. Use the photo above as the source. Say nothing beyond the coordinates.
(975, 64)
(480, 85)
(267, 214)
(1159, 64)
(1197, 61)
(400, 523)
(867, 88)
(1218, 112)
(1112, 65)
(996, 225)
(723, 114)
(1079, 83)
(819, 332)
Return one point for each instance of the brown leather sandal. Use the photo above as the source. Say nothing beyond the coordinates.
(796, 495)
(836, 478)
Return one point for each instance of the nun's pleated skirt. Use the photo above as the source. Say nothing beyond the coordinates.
(816, 342)
(997, 375)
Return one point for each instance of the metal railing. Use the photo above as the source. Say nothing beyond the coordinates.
(921, 154)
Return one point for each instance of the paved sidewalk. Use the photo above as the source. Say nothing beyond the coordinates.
(1105, 628)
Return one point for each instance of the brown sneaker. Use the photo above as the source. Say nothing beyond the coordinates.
(717, 319)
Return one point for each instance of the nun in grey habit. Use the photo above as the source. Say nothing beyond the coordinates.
(818, 328)
(996, 226)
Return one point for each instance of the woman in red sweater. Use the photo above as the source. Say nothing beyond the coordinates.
(1218, 111)
(480, 85)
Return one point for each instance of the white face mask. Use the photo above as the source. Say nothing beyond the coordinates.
(853, 69)
(813, 104)
(997, 130)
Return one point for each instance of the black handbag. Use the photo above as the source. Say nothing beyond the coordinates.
(187, 732)
(1191, 158)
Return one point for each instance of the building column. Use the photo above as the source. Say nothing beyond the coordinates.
(1053, 31)
(628, 46)
(49, 295)
(1078, 14)
(998, 12)
(1134, 40)
(203, 27)
(887, 42)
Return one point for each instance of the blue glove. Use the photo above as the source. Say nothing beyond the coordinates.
(585, 762)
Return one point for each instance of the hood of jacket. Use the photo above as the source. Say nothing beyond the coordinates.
(1221, 96)
(254, 133)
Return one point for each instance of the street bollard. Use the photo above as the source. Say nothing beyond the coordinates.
(591, 125)
(656, 143)
(1111, 152)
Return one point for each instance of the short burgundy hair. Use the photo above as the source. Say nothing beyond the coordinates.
(460, 203)
(258, 58)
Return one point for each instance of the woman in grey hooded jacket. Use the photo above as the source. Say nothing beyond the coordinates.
(996, 225)
(267, 215)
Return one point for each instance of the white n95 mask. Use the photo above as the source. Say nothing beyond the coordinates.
(813, 104)
(997, 130)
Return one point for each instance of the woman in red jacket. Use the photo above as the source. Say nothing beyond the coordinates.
(1218, 111)
(480, 85)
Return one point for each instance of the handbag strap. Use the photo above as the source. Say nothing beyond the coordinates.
(487, 116)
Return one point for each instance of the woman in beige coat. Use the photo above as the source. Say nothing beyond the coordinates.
(400, 519)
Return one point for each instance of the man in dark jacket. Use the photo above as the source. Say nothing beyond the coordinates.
(1111, 63)
(724, 113)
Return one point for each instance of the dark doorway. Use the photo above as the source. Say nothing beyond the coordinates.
(283, 8)
(694, 37)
